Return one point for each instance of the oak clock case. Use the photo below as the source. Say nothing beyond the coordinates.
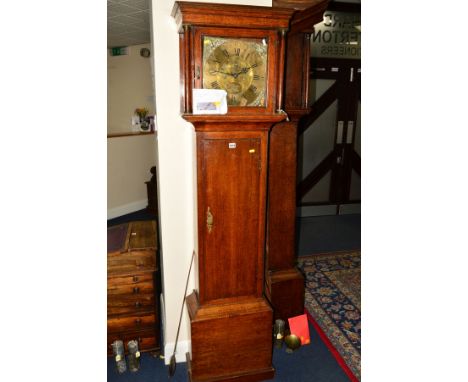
(239, 49)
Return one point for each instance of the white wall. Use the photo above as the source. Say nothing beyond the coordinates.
(176, 173)
(129, 86)
(129, 160)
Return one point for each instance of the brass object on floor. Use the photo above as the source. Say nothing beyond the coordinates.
(292, 342)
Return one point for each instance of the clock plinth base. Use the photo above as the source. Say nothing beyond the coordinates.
(231, 341)
(285, 291)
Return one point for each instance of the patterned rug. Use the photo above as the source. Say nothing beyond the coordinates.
(333, 304)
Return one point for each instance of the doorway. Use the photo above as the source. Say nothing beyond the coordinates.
(329, 165)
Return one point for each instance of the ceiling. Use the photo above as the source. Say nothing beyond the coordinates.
(128, 22)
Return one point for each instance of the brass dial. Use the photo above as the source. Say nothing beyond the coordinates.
(238, 66)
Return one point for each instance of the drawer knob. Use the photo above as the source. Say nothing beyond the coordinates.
(138, 304)
(137, 321)
(136, 290)
(135, 278)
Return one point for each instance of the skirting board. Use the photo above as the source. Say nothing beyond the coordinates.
(182, 348)
(126, 209)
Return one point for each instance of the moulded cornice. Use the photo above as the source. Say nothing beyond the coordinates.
(230, 15)
(303, 21)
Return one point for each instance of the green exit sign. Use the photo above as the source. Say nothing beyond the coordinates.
(119, 51)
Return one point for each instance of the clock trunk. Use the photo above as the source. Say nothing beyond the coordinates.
(231, 194)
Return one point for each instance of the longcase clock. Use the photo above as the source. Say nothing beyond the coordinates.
(239, 49)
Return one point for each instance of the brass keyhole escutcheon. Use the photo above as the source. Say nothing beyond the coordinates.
(209, 220)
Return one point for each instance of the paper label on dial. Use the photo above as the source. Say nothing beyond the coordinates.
(209, 101)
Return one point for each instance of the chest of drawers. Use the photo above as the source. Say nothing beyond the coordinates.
(132, 285)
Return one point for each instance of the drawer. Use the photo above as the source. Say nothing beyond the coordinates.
(135, 288)
(129, 280)
(131, 323)
(147, 340)
(130, 303)
(131, 260)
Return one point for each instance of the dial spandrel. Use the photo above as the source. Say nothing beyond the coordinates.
(238, 66)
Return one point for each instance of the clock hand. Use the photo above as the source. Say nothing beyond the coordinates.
(226, 73)
(237, 74)
(244, 70)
